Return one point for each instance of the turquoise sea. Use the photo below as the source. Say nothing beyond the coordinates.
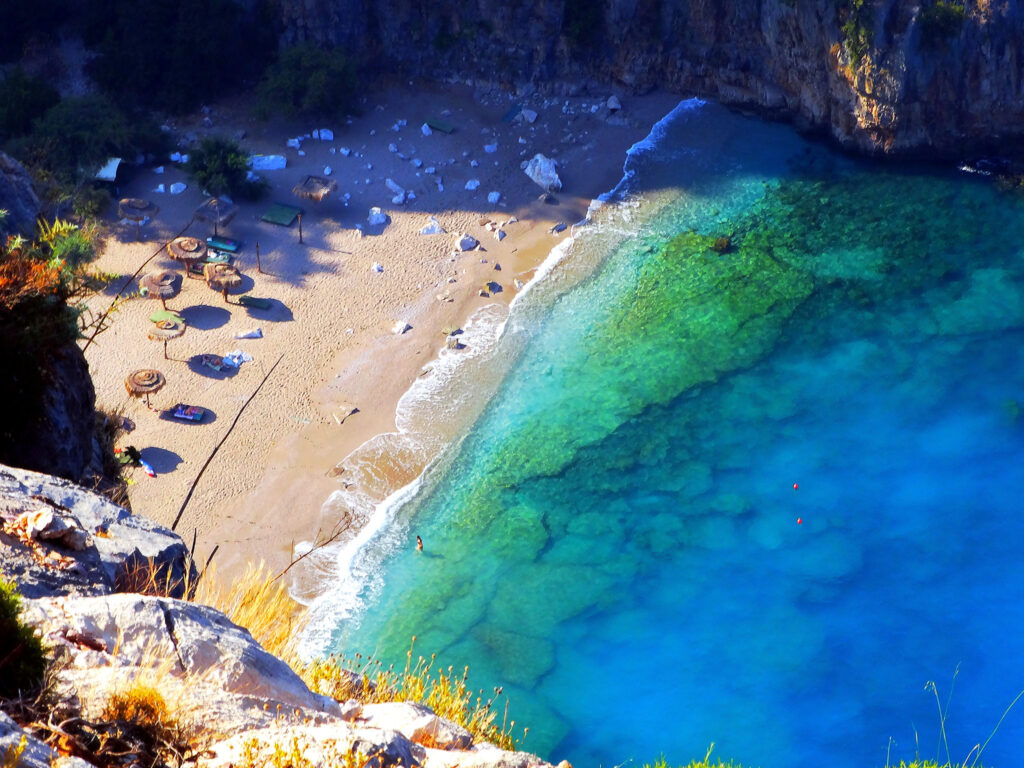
(752, 470)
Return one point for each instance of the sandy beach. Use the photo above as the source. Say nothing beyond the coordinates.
(333, 316)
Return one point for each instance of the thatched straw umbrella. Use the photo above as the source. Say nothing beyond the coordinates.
(315, 188)
(222, 277)
(217, 211)
(188, 250)
(161, 285)
(138, 210)
(165, 330)
(144, 382)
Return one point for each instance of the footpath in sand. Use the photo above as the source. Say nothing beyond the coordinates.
(333, 312)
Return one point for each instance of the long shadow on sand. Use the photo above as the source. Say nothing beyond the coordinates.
(160, 459)
(196, 365)
(277, 312)
(204, 317)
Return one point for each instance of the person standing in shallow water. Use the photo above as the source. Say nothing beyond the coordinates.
(419, 544)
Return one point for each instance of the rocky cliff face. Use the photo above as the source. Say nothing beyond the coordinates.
(878, 75)
(17, 197)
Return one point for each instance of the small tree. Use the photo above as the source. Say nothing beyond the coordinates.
(23, 99)
(219, 166)
(309, 81)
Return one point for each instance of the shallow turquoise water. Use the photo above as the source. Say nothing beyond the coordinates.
(617, 543)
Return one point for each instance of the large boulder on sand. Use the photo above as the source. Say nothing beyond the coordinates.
(542, 171)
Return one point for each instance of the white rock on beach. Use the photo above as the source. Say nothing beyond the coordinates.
(426, 129)
(158, 169)
(613, 103)
(493, 197)
(324, 134)
(473, 184)
(401, 327)
(294, 143)
(178, 187)
(433, 227)
(159, 189)
(268, 162)
(468, 243)
(392, 147)
(327, 170)
(541, 171)
(376, 217)
(345, 151)
(527, 116)
(491, 148)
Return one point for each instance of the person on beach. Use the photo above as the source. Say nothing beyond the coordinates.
(419, 544)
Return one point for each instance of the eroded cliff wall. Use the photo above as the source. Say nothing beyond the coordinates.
(879, 75)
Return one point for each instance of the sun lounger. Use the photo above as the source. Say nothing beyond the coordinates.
(218, 257)
(440, 125)
(281, 214)
(254, 302)
(166, 314)
(223, 244)
(188, 412)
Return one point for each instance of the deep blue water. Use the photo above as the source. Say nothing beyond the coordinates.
(618, 541)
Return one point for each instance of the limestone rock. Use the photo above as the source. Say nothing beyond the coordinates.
(221, 663)
(377, 217)
(542, 172)
(17, 197)
(481, 756)
(418, 723)
(324, 746)
(35, 754)
(468, 243)
(433, 227)
(126, 544)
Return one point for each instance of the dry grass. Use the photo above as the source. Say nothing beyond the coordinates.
(261, 604)
(258, 602)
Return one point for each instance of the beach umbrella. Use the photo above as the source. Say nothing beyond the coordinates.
(144, 382)
(217, 211)
(188, 250)
(138, 210)
(222, 277)
(165, 330)
(315, 188)
(161, 285)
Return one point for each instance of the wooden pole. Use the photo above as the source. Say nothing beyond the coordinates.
(300, 229)
(259, 267)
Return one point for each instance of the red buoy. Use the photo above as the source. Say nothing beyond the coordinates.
(795, 486)
(799, 521)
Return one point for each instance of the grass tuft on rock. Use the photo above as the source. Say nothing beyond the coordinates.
(23, 659)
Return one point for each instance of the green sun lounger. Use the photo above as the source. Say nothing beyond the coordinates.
(281, 214)
(166, 314)
(440, 125)
(254, 302)
(218, 257)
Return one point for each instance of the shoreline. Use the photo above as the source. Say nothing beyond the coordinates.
(332, 315)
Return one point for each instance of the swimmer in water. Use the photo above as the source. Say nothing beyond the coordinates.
(419, 544)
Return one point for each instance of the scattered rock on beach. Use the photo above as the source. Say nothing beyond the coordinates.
(541, 170)
(468, 243)
(401, 327)
(493, 197)
(473, 184)
(433, 227)
(377, 217)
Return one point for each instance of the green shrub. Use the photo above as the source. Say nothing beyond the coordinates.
(77, 136)
(940, 23)
(219, 166)
(89, 202)
(23, 99)
(857, 17)
(22, 657)
(310, 81)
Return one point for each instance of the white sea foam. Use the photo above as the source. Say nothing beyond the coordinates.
(389, 472)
